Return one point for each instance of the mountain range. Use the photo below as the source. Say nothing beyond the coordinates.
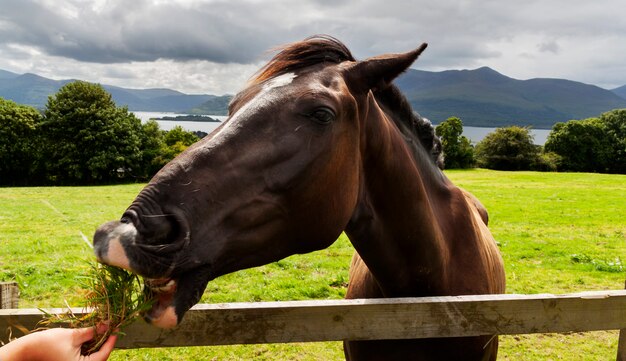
(33, 90)
(480, 97)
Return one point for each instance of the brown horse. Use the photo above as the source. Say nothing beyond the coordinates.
(316, 144)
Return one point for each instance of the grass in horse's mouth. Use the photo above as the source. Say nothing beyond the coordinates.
(114, 297)
(160, 285)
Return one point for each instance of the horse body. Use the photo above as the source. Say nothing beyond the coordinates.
(317, 144)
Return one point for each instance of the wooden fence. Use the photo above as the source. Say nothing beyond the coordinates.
(9, 295)
(370, 319)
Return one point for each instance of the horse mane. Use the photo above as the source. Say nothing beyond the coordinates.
(410, 121)
(308, 52)
(325, 48)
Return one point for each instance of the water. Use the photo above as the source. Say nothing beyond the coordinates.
(206, 127)
(475, 134)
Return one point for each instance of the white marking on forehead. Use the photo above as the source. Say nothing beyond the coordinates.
(259, 100)
(281, 80)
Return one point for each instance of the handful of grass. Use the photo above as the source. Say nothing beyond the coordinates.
(113, 297)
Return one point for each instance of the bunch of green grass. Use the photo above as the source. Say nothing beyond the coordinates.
(114, 297)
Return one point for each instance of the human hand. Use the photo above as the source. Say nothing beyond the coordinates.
(60, 344)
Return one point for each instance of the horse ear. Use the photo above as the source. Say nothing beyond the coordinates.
(378, 72)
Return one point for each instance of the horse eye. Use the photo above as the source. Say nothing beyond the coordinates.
(323, 115)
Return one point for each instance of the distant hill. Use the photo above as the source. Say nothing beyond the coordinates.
(480, 97)
(156, 100)
(621, 91)
(484, 97)
(7, 74)
(33, 90)
(214, 106)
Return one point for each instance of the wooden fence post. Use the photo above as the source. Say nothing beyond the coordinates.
(621, 343)
(9, 295)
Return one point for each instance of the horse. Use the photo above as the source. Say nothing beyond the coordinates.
(316, 144)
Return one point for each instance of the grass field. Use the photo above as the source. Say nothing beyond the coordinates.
(558, 233)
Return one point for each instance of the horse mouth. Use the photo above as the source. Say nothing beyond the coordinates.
(162, 292)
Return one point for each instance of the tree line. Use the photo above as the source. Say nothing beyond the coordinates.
(82, 137)
(588, 145)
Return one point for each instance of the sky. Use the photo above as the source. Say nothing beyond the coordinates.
(215, 46)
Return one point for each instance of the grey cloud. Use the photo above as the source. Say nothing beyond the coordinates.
(549, 47)
(461, 33)
(139, 31)
(234, 31)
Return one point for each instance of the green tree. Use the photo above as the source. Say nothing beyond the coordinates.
(153, 145)
(176, 141)
(508, 148)
(18, 150)
(591, 145)
(179, 135)
(613, 124)
(457, 149)
(581, 145)
(160, 147)
(89, 139)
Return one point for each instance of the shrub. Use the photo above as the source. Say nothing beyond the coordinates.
(591, 145)
(579, 143)
(18, 149)
(546, 162)
(457, 149)
(509, 148)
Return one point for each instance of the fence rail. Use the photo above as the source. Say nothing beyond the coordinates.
(369, 319)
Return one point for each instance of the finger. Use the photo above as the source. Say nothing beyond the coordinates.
(105, 350)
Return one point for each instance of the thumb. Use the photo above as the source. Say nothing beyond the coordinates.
(82, 335)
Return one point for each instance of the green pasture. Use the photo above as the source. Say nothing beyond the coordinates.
(558, 233)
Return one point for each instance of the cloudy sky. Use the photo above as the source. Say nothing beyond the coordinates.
(214, 46)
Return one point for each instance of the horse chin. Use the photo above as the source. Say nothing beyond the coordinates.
(163, 293)
(173, 297)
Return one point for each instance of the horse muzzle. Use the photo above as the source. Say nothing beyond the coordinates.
(119, 244)
(109, 241)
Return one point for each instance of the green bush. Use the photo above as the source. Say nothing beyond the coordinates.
(579, 143)
(509, 148)
(591, 145)
(18, 148)
(546, 162)
(457, 149)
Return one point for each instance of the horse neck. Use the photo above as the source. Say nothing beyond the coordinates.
(395, 227)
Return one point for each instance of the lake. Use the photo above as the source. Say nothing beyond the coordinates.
(206, 127)
(475, 134)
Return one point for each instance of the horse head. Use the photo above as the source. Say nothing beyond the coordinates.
(280, 176)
